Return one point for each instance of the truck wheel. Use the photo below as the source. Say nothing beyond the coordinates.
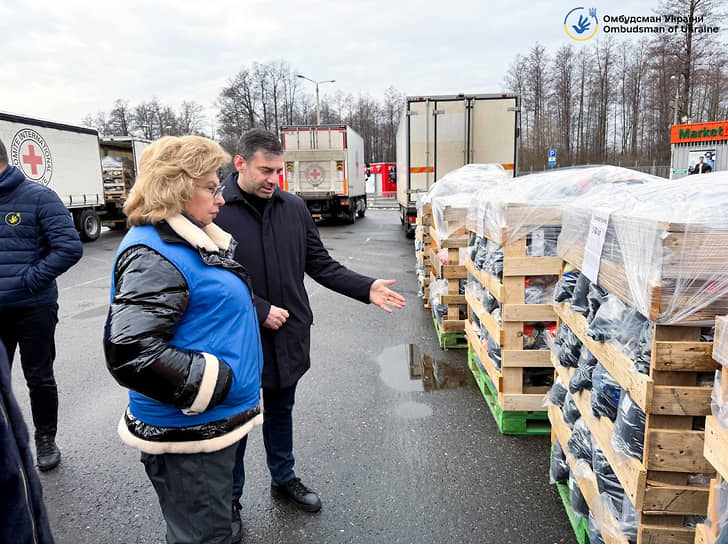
(88, 225)
(351, 216)
(363, 210)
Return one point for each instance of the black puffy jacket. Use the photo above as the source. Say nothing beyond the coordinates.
(183, 339)
(38, 241)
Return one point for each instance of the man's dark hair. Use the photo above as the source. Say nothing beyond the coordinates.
(3, 154)
(258, 140)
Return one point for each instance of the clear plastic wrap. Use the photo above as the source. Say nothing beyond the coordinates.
(580, 443)
(540, 289)
(565, 287)
(556, 395)
(494, 352)
(579, 301)
(595, 536)
(720, 340)
(437, 289)
(508, 213)
(720, 507)
(452, 194)
(595, 298)
(576, 499)
(605, 393)
(559, 469)
(719, 400)
(607, 321)
(568, 347)
(607, 482)
(664, 249)
(570, 411)
(629, 428)
(582, 378)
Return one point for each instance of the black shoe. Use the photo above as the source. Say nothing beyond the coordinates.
(237, 523)
(47, 452)
(302, 496)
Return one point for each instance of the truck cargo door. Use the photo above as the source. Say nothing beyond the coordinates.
(421, 147)
(450, 133)
(493, 131)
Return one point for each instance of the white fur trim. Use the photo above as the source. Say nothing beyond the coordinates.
(221, 238)
(190, 232)
(208, 445)
(207, 386)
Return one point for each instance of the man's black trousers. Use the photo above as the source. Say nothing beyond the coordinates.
(33, 329)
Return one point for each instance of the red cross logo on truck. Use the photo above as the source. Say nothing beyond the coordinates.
(32, 159)
(30, 153)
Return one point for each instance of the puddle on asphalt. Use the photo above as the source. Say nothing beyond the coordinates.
(406, 368)
(413, 410)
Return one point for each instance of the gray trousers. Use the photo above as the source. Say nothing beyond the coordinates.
(194, 493)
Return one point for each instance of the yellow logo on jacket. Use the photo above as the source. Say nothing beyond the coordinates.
(12, 219)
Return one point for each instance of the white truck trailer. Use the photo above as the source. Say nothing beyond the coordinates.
(62, 157)
(120, 165)
(324, 165)
(438, 134)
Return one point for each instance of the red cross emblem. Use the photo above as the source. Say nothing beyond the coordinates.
(32, 160)
(315, 174)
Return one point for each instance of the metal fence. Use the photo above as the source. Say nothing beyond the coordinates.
(385, 199)
(660, 170)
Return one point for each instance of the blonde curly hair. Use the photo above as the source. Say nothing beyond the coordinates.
(168, 170)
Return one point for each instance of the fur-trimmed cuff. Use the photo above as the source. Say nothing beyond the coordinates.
(207, 386)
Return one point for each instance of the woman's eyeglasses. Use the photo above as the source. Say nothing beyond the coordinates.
(214, 191)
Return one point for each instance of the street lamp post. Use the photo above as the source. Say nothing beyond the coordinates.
(318, 105)
(674, 122)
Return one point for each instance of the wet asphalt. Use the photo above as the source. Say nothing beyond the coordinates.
(390, 430)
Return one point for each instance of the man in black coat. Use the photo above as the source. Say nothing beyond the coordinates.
(278, 243)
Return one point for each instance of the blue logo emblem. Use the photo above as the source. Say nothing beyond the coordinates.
(581, 24)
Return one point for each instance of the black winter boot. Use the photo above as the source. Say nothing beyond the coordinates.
(48, 454)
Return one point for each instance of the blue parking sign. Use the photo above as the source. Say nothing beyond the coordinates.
(552, 157)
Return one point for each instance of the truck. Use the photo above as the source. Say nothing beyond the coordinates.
(324, 165)
(439, 133)
(68, 159)
(119, 165)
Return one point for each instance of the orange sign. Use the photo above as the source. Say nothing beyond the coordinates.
(699, 132)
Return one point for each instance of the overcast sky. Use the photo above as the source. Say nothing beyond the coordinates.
(61, 60)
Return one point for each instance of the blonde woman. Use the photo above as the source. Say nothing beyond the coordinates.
(182, 335)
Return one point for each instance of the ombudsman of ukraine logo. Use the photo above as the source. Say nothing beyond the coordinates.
(581, 24)
(30, 152)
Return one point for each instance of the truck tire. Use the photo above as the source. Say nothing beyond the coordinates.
(88, 224)
(351, 216)
(363, 210)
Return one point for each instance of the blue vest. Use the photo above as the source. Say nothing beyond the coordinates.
(220, 319)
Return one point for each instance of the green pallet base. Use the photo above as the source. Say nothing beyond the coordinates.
(581, 528)
(449, 340)
(508, 422)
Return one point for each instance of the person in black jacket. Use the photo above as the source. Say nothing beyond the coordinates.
(38, 243)
(23, 518)
(278, 244)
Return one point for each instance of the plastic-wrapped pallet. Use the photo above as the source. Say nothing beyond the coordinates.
(532, 204)
(664, 248)
(450, 197)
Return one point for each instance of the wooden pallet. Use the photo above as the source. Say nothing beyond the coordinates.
(677, 247)
(447, 334)
(587, 484)
(720, 345)
(519, 422)
(510, 292)
(716, 452)
(672, 400)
